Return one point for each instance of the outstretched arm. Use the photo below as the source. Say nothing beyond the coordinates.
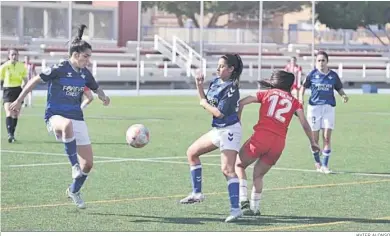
(245, 101)
(26, 90)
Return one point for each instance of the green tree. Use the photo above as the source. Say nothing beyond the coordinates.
(219, 8)
(352, 15)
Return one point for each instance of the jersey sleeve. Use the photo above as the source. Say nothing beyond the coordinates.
(2, 72)
(338, 85)
(260, 96)
(307, 82)
(229, 98)
(90, 81)
(49, 73)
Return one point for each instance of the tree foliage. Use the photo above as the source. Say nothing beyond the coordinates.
(352, 15)
(219, 8)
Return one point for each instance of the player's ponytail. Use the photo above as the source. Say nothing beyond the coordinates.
(79, 45)
(235, 61)
(80, 32)
(280, 79)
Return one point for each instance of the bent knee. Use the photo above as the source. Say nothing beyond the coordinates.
(228, 171)
(87, 167)
(192, 153)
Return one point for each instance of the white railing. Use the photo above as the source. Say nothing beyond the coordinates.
(182, 50)
(363, 73)
(162, 46)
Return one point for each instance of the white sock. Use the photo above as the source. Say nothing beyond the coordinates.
(255, 201)
(243, 190)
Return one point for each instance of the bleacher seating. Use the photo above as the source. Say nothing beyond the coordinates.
(158, 68)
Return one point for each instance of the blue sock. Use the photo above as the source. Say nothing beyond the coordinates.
(326, 154)
(234, 192)
(71, 150)
(196, 178)
(78, 183)
(317, 157)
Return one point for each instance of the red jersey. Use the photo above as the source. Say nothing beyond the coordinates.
(276, 111)
(297, 71)
(30, 70)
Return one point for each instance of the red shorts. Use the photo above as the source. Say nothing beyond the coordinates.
(266, 146)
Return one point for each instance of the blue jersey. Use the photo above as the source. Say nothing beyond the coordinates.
(322, 87)
(65, 90)
(224, 95)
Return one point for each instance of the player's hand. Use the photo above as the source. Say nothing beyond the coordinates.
(15, 106)
(106, 100)
(199, 78)
(315, 147)
(345, 98)
(203, 102)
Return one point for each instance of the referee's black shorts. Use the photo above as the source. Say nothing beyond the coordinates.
(10, 94)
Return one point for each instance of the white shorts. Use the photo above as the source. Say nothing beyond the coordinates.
(227, 138)
(321, 117)
(80, 131)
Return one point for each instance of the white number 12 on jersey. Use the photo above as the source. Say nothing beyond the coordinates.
(274, 100)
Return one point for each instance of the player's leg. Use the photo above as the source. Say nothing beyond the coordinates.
(246, 157)
(202, 145)
(63, 130)
(229, 146)
(328, 126)
(269, 157)
(8, 121)
(30, 98)
(260, 169)
(87, 98)
(84, 150)
(314, 117)
(15, 114)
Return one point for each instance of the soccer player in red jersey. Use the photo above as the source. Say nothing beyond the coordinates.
(294, 68)
(266, 144)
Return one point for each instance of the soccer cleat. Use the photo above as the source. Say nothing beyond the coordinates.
(318, 167)
(325, 170)
(76, 171)
(245, 207)
(193, 198)
(76, 198)
(11, 139)
(234, 215)
(250, 212)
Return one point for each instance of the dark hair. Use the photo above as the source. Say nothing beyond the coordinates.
(324, 54)
(280, 79)
(235, 61)
(79, 45)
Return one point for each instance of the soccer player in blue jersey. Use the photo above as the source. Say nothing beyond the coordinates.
(321, 109)
(63, 113)
(221, 101)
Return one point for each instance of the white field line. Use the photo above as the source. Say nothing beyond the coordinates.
(107, 159)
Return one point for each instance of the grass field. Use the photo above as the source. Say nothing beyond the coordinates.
(138, 189)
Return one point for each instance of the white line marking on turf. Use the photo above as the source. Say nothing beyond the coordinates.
(158, 160)
(103, 157)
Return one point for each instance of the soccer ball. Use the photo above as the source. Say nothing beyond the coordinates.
(137, 136)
